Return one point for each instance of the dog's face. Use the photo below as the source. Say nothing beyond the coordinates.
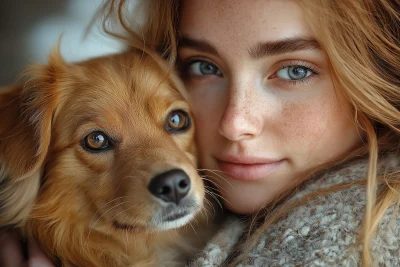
(121, 152)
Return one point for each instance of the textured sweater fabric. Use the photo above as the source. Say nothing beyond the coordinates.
(322, 232)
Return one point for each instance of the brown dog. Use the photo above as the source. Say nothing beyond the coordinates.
(98, 163)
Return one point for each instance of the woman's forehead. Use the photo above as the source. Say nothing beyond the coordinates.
(243, 22)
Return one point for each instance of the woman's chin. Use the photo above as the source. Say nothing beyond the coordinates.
(245, 203)
(239, 209)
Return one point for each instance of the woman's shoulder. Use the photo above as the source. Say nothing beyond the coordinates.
(323, 230)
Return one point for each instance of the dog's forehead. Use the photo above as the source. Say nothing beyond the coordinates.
(108, 90)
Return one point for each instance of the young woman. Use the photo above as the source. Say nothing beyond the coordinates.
(296, 111)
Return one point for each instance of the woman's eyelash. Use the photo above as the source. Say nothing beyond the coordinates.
(308, 67)
(183, 66)
(299, 64)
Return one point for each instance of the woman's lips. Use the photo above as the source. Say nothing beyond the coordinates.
(248, 169)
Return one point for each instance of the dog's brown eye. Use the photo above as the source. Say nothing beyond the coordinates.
(178, 121)
(96, 141)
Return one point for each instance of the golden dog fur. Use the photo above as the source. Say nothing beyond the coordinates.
(93, 208)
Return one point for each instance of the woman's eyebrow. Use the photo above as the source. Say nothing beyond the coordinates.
(199, 45)
(258, 51)
(283, 46)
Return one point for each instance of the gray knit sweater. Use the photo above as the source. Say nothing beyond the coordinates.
(323, 232)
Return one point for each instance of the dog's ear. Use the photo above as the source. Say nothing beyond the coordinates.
(26, 113)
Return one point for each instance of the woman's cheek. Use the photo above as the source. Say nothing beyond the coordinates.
(205, 92)
(207, 104)
(303, 124)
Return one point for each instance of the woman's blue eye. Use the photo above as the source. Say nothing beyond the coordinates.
(294, 73)
(200, 68)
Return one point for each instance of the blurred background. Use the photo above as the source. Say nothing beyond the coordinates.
(29, 29)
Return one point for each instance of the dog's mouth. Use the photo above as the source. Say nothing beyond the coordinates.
(172, 217)
(176, 216)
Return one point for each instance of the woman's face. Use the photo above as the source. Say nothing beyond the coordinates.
(263, 99)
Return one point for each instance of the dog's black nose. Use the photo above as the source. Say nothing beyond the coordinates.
(170, 186)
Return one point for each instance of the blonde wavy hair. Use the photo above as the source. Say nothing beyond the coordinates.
(362, 41)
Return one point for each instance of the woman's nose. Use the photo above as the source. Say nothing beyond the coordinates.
(242, 117)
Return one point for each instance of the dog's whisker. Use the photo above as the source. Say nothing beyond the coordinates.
(214, 196)
(217, 186)
(91, 227)
(222, 177)
(208, 202)
(221, 197)
(190, 223)
(102, 206)
(217, 189)
(109, 209)
(211, 215)
(123, 210)
(172, 231)
(203, 213)
(217, 174)
(214, 190)
(196, 221)
(211, 189)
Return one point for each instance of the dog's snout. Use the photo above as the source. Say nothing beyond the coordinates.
(170, 186)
